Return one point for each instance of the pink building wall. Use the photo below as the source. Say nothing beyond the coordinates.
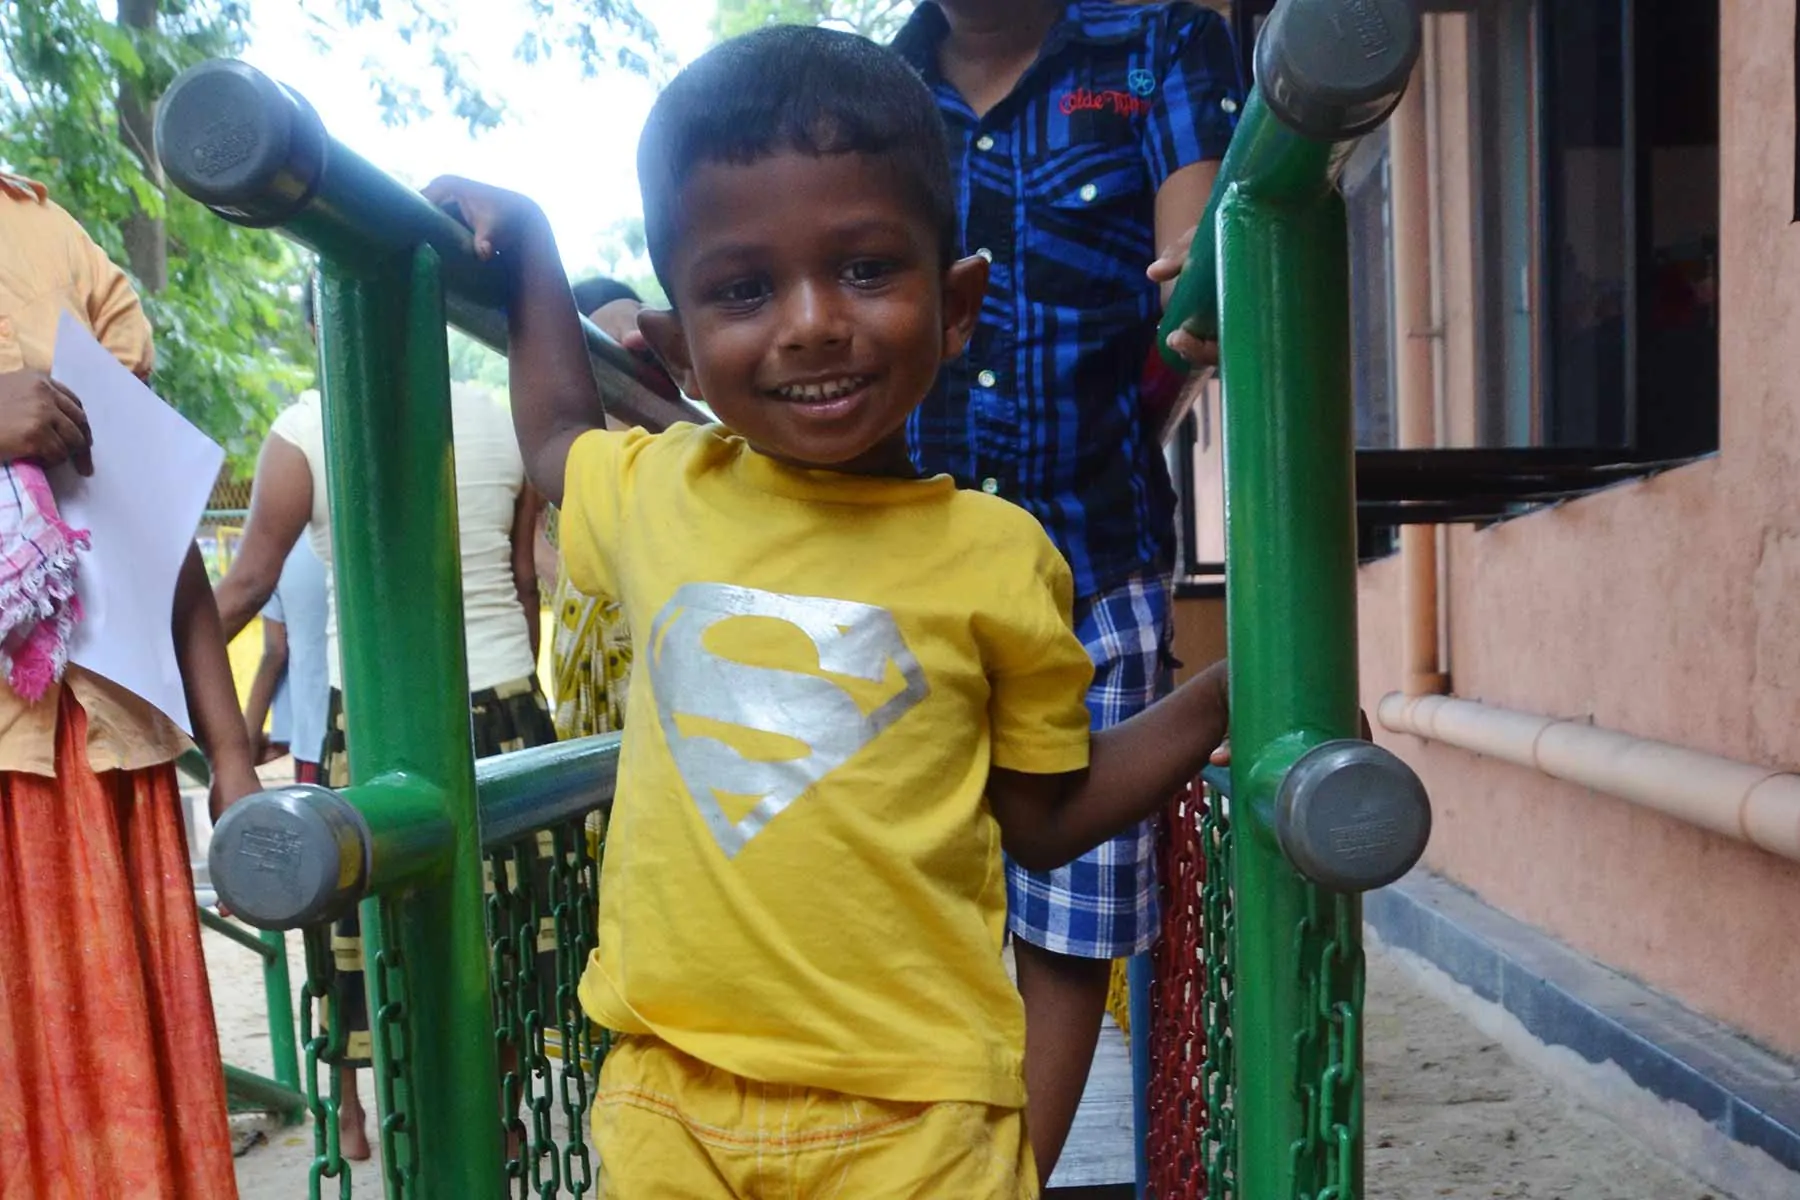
(1669, 609)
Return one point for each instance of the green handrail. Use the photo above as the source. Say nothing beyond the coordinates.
(393, 271)
(1310, 105)
(256, 153)
(1268, 277)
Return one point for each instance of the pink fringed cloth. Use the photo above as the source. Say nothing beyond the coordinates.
(38, 604)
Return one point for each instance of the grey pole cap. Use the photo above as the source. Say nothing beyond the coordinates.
(1333, 70)
(289, 857)
(239, 142)
(1352, 817)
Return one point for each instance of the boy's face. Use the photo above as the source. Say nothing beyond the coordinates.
(811, 312)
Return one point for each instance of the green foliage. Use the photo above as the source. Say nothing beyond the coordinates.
(875, 19)
(623, 254)
(600, 34)
(472, 362)
(230, 344)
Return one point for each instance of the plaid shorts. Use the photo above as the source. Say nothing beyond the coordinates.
(1103, 905)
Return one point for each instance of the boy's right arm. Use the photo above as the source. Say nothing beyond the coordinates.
(554, 400)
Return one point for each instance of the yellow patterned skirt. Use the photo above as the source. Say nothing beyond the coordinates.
(590, 662)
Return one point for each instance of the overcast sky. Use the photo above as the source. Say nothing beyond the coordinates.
(569, 142)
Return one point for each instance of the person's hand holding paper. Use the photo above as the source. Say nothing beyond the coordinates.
(152, 474)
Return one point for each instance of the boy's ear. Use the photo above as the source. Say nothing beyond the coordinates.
(965, 283)
(662, 329)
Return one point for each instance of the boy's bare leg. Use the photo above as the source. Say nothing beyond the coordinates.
(353, 1132)
(1065, 999)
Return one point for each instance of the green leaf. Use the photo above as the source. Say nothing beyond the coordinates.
(117, 44)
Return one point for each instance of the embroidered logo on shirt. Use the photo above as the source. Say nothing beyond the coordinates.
(1141, 82)
(1123, 104)
(721, 716)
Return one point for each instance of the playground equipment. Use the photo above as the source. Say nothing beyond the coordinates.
(1262, 961)
(245, 1089)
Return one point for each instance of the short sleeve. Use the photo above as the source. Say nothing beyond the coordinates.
(1199, 94)
(596, 481)
(113, 310)
(1038, 675)
(298, 424)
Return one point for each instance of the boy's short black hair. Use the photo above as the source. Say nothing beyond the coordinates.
(793, 87)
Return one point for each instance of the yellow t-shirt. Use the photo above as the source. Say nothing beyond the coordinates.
(803, 879)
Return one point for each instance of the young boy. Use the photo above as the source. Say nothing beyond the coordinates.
(854, 684)
(1084, 134)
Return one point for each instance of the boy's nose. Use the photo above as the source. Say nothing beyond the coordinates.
(814, 317)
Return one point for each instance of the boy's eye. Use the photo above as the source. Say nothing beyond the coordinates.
(866, 271)
(741, 292)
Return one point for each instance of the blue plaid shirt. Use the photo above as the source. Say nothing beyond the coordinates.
(1056, 185)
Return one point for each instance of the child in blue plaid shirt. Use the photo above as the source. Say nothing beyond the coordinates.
(1084, 134)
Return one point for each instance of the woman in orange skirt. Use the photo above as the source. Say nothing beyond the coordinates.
(110, 1082)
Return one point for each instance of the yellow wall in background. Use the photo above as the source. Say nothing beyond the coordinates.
(246, 652)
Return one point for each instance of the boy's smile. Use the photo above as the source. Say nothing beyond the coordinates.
(812, 306)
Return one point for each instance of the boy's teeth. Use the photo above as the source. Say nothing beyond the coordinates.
(819, 392)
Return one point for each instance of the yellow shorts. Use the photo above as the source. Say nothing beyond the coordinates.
(669, 1127)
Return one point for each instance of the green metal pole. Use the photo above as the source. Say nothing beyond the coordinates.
(399, 589)
(275, 1095)
(278, 998)
(249, 939)
(1291, 610)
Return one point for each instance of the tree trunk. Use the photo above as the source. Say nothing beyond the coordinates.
(146, 241)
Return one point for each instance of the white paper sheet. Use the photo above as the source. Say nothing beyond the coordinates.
(153, 473)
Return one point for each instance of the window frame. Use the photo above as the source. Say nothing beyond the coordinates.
(1481, 485)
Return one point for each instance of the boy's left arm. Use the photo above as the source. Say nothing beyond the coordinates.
(1133, 770)
(1185, 140)
(1179, 200)
(1179, 203)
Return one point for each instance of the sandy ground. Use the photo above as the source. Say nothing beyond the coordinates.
(1450, 1114)
(276, 1164)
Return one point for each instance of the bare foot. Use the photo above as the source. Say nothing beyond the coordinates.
(353, 1137)
(353, 1124)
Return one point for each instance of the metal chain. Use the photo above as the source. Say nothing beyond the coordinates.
(1327, 1159)
(1219, 927)
(1192, 1132)
(526, 916)
(1340, 1084)
(399, 1155)
(543, 901)
(1305, 1150)
(503, 980)
(324, 1046)
(534, 1065)
(566, 902)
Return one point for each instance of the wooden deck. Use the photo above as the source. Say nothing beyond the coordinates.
(1099, 1151)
